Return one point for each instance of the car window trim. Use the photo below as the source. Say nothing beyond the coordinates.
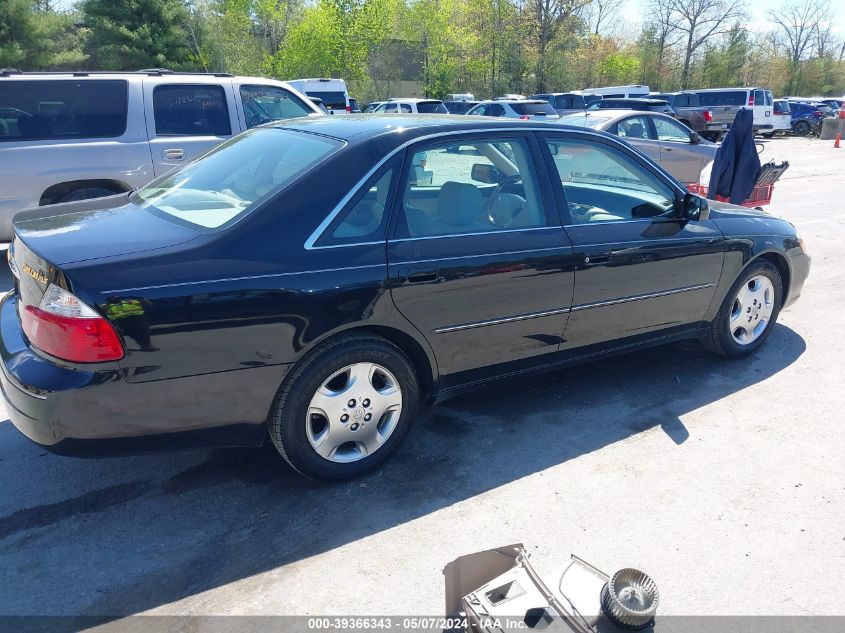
(521, 129)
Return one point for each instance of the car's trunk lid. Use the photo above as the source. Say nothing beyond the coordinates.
(47, 239)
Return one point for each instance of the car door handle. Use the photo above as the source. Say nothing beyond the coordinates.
(173, 154)
(422, 275)
(666, 148)
(596, 259)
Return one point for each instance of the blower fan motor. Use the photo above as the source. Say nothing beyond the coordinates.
(630, 599)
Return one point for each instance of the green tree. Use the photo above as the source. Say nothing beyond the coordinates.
(135, 34)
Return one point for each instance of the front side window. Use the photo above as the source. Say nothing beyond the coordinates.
(669, 130)
(635, 127)
(602, 184)
(190, 110)
(263, 104)
(235, 177)
(404, 107)
(472, 186)
(62, 109)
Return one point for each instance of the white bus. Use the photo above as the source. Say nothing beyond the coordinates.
(332, 92)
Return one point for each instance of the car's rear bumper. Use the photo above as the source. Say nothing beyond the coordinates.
(78, 411)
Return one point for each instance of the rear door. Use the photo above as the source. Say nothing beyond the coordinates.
(762, 109)
(478, 260)
(638, 131)
(187, 118)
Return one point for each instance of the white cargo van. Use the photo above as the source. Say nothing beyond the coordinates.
(77, 135)
(333, 93)
(623, 92)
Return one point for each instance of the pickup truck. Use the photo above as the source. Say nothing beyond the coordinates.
(690, 112)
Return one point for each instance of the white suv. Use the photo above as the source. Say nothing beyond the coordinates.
(411, 106)
(72, 136)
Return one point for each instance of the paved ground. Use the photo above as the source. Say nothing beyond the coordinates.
(725, 480)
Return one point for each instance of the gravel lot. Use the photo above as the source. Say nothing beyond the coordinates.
(724, 480)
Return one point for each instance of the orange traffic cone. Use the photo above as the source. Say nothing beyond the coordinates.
(836, 142)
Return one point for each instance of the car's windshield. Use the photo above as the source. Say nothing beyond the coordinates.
(236, 176)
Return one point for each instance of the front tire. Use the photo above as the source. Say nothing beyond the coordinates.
(748, 313)
(345, 408)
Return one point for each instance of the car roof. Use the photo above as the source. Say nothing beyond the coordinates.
(355, 128)
(412, 99)
(512, 101)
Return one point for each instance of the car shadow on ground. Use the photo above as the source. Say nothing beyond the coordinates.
(166, 532)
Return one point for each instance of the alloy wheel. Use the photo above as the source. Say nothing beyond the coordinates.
(354, 412)
(752, 310)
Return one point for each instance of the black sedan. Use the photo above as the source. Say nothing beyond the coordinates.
(320, 280)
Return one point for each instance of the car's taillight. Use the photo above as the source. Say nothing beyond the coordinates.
(751, 99)
(525, 117)
(64, 327)
(348, 109)
(708, 116)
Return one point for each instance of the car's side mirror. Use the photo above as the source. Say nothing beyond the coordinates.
(486, 173)
(694, 138)
(695, 208)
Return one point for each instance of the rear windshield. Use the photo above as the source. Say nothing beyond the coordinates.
(584, 120)
(431, 107)
(332, 100)
(532, 108)
(724, 98)
(62, 109)
(459, 107)
(235, 177)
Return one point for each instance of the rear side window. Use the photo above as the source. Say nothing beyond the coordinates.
(566, 102)
(782, 107)
(235, 176)
(431, 107)
(190, 110)
(723, 98)
(62, 109)
(532, 108)
(331, 99)
(759, 98)
(365, 218)
(270, 103)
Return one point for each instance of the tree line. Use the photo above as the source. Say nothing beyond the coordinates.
(487, 47)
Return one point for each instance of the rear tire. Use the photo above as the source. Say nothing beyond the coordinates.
(345, 408)
(802, 128)
(748, 313)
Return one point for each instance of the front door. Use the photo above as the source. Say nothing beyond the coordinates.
(679, 156)
(478, 260)
(639, 267)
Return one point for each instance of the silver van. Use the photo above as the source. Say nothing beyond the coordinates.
(71, 136)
